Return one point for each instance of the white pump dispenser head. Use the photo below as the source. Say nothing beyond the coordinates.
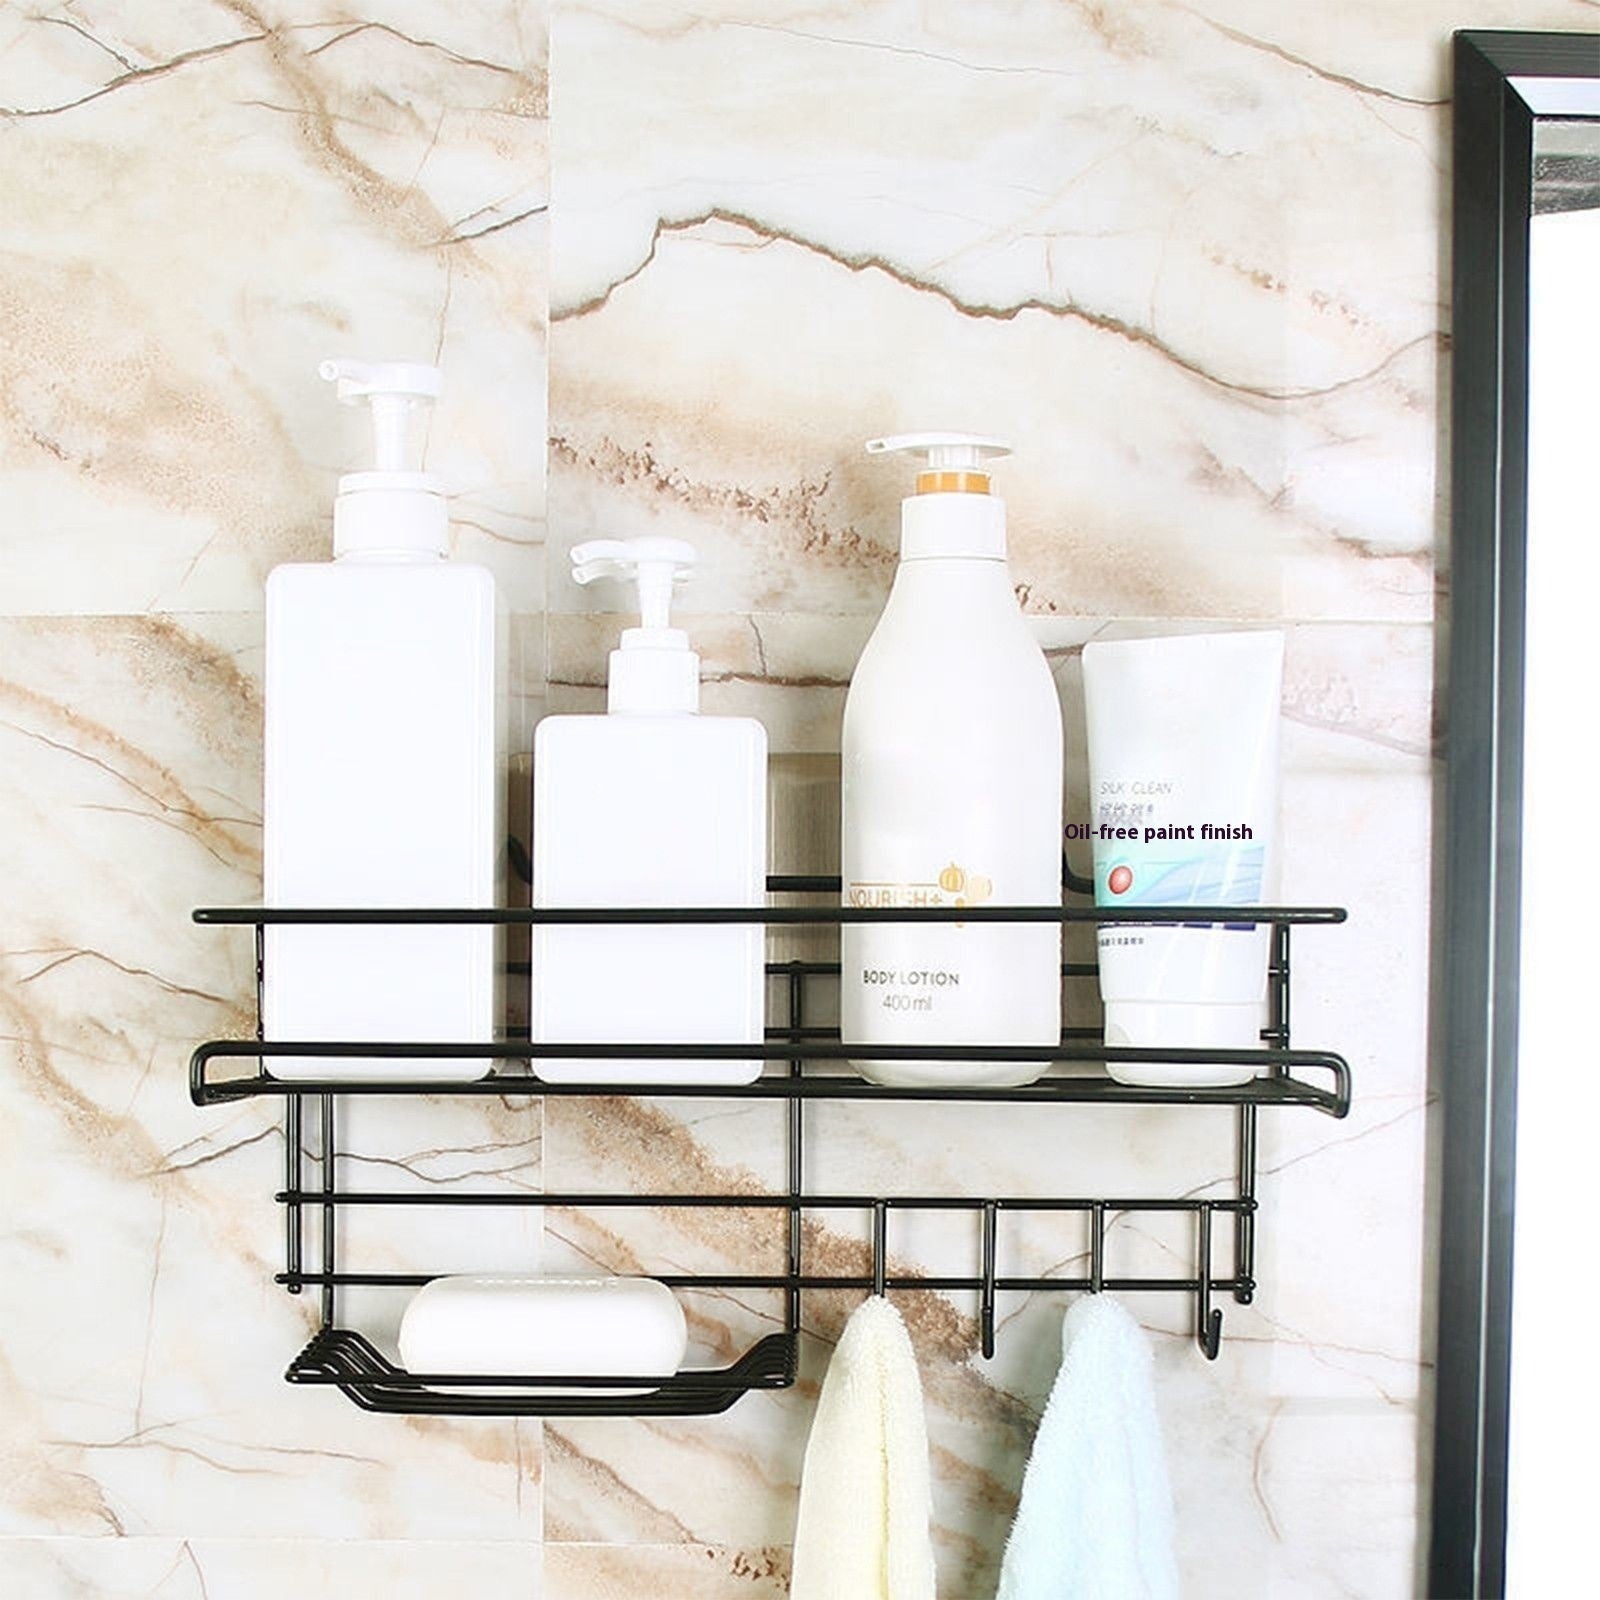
(945, 452)
(952, 515)
(395, 511)
(653, 670)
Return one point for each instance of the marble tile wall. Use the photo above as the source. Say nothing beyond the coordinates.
(1190, 258)
(198, 202)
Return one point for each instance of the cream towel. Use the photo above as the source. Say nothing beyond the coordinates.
(863, 1530)
(1095, 1520)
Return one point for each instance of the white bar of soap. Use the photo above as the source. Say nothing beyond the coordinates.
(574, 1327)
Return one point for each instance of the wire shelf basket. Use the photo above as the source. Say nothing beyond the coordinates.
(801, 1062)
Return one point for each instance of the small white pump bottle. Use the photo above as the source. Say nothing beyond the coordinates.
(384, 781)
(649, 805)
(952, 791)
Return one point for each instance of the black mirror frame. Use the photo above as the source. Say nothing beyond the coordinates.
(1475, 1027)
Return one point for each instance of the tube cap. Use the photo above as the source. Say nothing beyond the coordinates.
(1184, 1025)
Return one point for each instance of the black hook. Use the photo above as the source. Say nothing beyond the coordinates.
(1208, 1330)
(880, 1246)
(986, 1306)
(1097, 1247)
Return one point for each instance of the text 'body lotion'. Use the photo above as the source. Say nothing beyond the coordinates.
(952, 793)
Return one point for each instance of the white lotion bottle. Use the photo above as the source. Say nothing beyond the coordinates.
(384, 765)
(952, 792)
(650, 805)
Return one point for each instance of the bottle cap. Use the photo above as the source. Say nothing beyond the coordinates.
(951, 514)
(955, 460)
(395, 509)
(653, 670)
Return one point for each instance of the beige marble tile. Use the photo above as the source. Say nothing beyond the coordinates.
(670, 1571)
(233, 193)
(1362, 1457)
(206, 1568)
(142, 1340)
(1127, 244)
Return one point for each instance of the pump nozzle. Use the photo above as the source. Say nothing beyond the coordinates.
(656, 565)
(393, 389)
(394, 509)
(945, 452)
(653, 670)
(955, 460)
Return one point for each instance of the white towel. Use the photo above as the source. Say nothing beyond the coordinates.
(863, 1529)
(1095, 1520)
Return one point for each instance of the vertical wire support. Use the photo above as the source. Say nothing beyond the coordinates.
(292, 1218)
(991, 1213)
(328, 1257)
(796, 1114)
(880, 1246)
(293, 1133)
(261, 979)
(1097, 1247)
(1208, 1329)
(1280, 990)
(1244, 1219)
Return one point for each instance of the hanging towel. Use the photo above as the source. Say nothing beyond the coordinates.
(1095, 1519)
(863, 1530)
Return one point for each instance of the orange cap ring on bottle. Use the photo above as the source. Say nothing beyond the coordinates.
(952, 483)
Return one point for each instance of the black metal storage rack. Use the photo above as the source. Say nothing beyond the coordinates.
(803, 1063)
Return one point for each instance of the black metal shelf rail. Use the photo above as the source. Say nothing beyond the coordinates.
(793, 1049)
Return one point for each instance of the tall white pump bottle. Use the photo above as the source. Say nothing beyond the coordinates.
(651, 805)
(952, 792)
(384, 780)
